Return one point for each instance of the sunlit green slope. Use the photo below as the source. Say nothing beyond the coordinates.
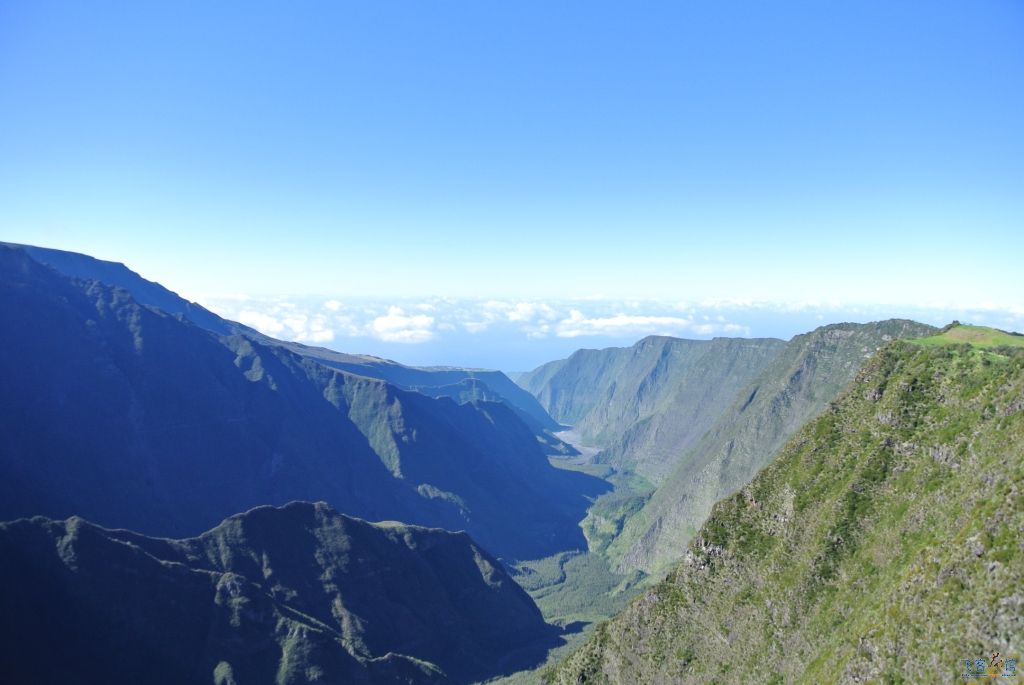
(882, 545)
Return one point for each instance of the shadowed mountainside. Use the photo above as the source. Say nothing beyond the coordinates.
(132, 417)
(433, 381)
(298, 594)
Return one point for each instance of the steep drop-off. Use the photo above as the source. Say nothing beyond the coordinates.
(136, 418)
(433, 381)
(882, 545)
(646, 403)
(797, 385)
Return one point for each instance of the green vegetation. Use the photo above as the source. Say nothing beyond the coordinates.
(575, 586)
(575, 590)
(706, 416)
(597, 470)
(884, 538)
(610, 511)
(882, 545)
(976, 336)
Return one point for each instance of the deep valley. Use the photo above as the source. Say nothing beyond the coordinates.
(189, 500)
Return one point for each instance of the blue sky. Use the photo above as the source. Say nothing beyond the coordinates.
(868, 156)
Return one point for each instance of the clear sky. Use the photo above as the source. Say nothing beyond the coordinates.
(861, 153)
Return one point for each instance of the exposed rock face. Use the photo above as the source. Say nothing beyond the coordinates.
(646, 402)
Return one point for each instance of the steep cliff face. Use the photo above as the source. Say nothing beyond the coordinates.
(690, 394)
(883, 544)
(298, 594)
(132, 417)
(646, 403)
(796, 385)
(697, 419)
(433, 381)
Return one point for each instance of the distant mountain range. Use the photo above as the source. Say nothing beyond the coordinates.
(134, 416)
(298, 594)
(699, 418)
(882, 545)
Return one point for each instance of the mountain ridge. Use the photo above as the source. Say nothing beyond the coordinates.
(184, 426)
(604, 393)
(863, 553)
(146, 292)
(791, 389)
(294, 594)
(696, 420)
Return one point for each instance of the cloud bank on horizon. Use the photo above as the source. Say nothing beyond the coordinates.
(521, 334)
(318, 322)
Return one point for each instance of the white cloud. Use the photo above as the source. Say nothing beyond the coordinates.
(318, 337)
(497, 305)
(264, 323)
(528, 311)
(521, 312)
(360, 324)
(720, 328)
(480, 317)
(627, 325)
(537, 332)
(486, 314)
(727, 303)
(397, 326)
(577, 325)
(297, 323)
(318, 328)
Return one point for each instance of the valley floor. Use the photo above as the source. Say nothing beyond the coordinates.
(587, 452)
(577, 589)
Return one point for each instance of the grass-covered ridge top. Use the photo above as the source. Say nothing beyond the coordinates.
(977, 336)
(883, 545)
